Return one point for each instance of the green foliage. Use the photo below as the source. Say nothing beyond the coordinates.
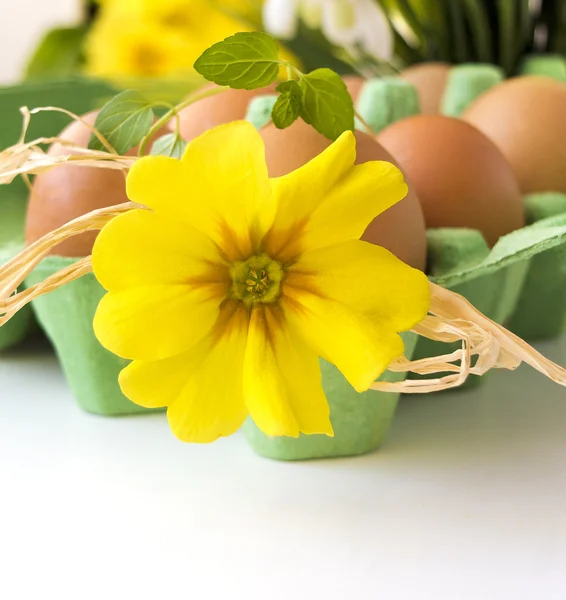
(250, 61)
(242, 61)
(123, 121)
(287, 108)
(327, 105)
(170, 145)
(58, 55)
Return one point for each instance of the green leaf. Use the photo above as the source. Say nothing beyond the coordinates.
(124, 121)
(170, 145)
(290, 87)
(327, 105)
(287, 108)
(242, 61)
(58, 55)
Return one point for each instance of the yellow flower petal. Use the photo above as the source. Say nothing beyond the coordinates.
(282, 380)
(368, 279)
(220, 187)
(150, 323)
(211, 403)
(349, 301)
(156, 383)
(153, 250)
(202, 386)
(228, 165)
(160, 183)
(356, 344)
(365, 192)
(301, 192)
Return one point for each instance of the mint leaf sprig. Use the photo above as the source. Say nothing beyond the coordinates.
(129, 120)
(242, 61)
(251, 61)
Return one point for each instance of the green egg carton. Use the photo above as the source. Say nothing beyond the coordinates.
(12, 218)
(360, 421)
(66, 317)
(77, 95)
(467, 82)
(541, 309)
(511, 283)
(549, 65)
(385, 100)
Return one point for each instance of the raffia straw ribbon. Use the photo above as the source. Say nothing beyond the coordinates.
(451, 317)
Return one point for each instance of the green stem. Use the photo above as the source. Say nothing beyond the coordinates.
(369, 131)
(291, 69)
(174, 112)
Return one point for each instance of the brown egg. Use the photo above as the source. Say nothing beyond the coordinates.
(526, 118)
(430, 79)
(224, 107)
(460, 176)
(354, 83)
(400, 229)
(66, 192)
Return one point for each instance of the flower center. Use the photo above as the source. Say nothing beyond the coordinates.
(257, 279)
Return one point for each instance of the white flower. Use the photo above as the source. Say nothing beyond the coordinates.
(346, 23)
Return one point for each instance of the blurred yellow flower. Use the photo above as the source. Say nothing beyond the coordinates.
(156, 38)
(229, 289)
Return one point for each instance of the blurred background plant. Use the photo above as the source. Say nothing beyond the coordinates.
(146, 44)
(153, 43)
(371, 33)
(500, 32)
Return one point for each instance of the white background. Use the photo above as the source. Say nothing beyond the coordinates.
(466, 500)
(22, 23)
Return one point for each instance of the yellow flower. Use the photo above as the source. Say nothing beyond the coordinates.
(154, 38)
(227, 291)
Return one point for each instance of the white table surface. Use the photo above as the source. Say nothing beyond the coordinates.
(466, 499)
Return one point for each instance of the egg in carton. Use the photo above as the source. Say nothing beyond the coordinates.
(525, 118)
(529, 297)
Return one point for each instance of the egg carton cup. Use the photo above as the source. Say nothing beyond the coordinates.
(512, 284)
(18, 328)
(360, 421)
(66, 317)
(12, 215)
(541, 308)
